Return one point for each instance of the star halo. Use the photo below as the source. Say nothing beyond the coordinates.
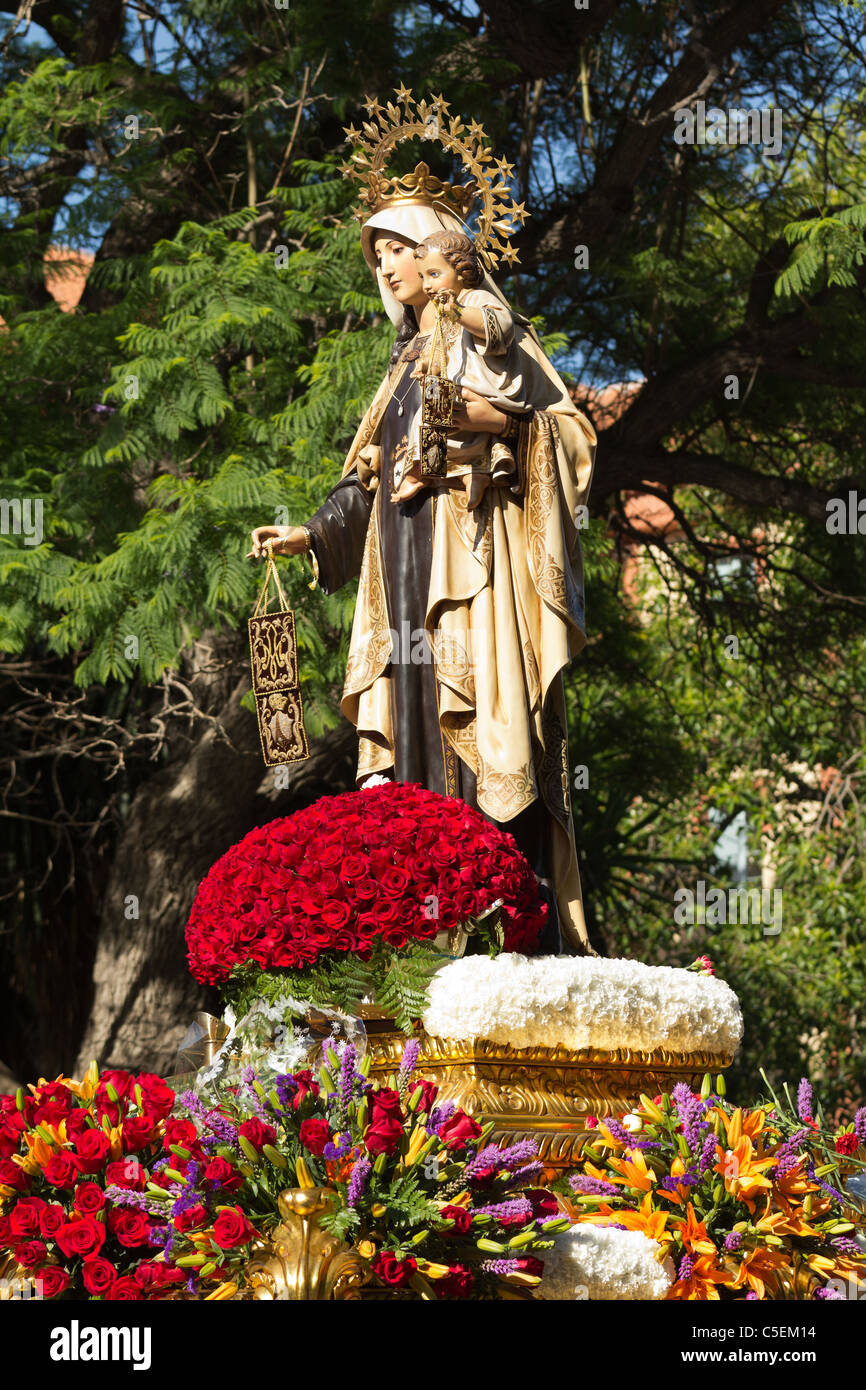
(390, 125)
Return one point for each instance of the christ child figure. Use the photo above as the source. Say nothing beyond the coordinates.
(478, 332)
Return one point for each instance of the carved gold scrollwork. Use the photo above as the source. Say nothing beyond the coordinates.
(544, 1093)
(301, 1261)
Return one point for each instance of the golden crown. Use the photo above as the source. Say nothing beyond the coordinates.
(389, 125)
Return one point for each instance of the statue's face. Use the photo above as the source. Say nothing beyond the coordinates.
(396, 257)
(437, 274)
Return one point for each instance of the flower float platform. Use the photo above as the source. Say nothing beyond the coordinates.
(539, 1046)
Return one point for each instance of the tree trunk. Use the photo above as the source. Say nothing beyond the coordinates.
(178, 825)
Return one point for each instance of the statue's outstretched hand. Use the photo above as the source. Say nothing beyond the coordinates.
(278, 540)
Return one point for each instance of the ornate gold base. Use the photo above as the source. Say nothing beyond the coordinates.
(300, 1261)
(542, 1093)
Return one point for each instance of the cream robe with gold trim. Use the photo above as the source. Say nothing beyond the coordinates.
(504, 618)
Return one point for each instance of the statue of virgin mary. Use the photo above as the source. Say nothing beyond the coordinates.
(464, 621)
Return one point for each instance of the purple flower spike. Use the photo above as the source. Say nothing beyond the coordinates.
(804, 1100)
(619, 1133)
(409, 1060)
(439, 1115)
(596, 1187)
(358, 1181)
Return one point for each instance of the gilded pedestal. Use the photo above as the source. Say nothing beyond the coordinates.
(542, 1093)
(300, 1261)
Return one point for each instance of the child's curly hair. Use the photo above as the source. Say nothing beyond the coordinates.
(459, 251)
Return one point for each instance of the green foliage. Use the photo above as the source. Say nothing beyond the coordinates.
(828, 251)
(397, 979)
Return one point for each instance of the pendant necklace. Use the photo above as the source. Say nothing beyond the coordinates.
(409, 356)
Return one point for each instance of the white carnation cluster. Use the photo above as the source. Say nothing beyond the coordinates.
(581, 1002)
(603, 1262)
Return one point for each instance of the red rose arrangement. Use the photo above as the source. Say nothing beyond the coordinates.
(391, 864)
(103, 1196)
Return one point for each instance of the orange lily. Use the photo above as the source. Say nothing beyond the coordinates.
(653, 1223)
(757, 1265)
(702, 1284)
(633, 1168)
(739, 1123)
(748, 1179)
(694, 1234)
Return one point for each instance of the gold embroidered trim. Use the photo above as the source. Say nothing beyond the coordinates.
(541, 487)
(495, 341)
(503, 795)
(368, 661)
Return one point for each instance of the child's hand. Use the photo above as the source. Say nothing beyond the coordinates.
(446, 301)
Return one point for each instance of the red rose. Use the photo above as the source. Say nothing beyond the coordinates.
(30, 1253)
(149, 1275)
(543, 1203)
(391, 1270)
(222, 1174)
(157, 1098)
(457, 1283)
(192, 1217)
(335, 914)
(6, 1236)
(51, 1219)
(461, 1218)
(353, 867)
(127, 1172)
(847, 1144)
(88, 1198)
(98, 1275)
(384, 1136)
(81, 1237)
(395, 881)
(429, 1092)
(129, 1227)
(24, 1217)
(183, 1133)
(260, 1134)
(307, 1086)
(121, 1081)
(61, 1170)
(528, 1264)
(314, 1135)
(125, 1290)
(10, 1139)
(92, 1149)
(78, 1122)
(138, 1131)
(106, 1108)
(385, 1102)
(231, 1228)
(456, 1133)
(13, 1176)
(53, 1280)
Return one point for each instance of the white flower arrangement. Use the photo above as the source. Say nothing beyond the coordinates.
(603, 1262)
(579, 1002)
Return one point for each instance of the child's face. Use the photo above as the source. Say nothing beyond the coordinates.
(436, 274)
